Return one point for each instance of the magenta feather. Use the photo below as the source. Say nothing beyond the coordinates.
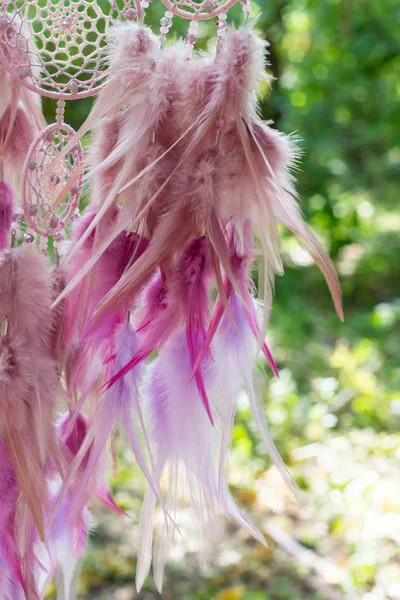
(182, 302)
(241, 258)
(91, 345)
(11, 579)
(6, 213)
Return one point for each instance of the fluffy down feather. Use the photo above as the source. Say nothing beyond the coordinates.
(144, 156)
(29, 384)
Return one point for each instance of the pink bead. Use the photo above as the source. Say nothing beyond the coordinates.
(190, 39)
(28, 238)
(54, 221)
(131, 14)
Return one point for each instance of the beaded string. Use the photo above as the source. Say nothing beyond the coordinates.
(247, 10)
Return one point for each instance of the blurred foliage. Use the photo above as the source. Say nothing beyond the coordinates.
(337, 70)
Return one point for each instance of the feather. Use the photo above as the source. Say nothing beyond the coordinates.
(16, 569)
(182, 300)
(17, 132)
(137, 98)
(117, 407)
(65, 546)
(91, 345)
(185, 442)
(142, 159)
(29, 384)
(234, 351)
(147, 514)
(6, 213)
(241, 258)
(66, 538)
(267, 157)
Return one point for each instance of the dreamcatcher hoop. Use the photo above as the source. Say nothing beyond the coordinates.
(46, 210)
(66, 60)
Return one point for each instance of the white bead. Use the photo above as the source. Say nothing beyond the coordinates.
(223, 17)
(169, 14)
(188, 51)
(164, 29)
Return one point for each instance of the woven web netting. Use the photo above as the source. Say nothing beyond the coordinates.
(67, 58)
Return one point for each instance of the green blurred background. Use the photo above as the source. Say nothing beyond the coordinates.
(335, 412)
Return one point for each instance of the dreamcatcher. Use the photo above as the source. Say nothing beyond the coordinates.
(148, 323)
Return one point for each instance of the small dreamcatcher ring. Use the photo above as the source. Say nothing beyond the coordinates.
(50, 197)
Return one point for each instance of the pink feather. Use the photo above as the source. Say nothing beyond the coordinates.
(66, 538)
(95, 341)
(29, 384)
(183, 300)
(16, 569)
(241, 258)
(116, 410)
